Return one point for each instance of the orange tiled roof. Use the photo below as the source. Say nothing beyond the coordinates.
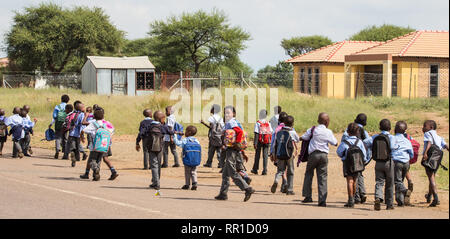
(334, 52)
(414, 44)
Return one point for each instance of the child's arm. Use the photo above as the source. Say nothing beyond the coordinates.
(203, 123)
(425, 155)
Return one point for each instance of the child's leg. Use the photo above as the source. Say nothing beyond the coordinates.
(173, 149)
(257, 157)
(1, 146)
(432, 184)
(410, 181)
(350, 187)
(290, 175)
(265, 157)
(187, 175)
(194, 175)
(165, 154)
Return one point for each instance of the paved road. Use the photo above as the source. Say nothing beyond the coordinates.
(41, 187)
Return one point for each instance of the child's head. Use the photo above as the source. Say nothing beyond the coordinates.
(23, 112)
(277, 109)
(353, 129)
(385, 125)
(191, 131)
(429, 125)
(89, 109)
(147, 113)
(282, 117)
(400, 127)
(230, 112)
(69, 108)
(2, 112)
(95, 106)
(159, 116)
(16, 110)
(65, 98)
(361, 119)
(99, 114)
(262, 114)
(323, 119)
(215, 109)
(289, 122)
(26, 108)
(169, 110)
(75, 104)
(81, 107)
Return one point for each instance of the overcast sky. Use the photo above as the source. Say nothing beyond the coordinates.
(268, 22)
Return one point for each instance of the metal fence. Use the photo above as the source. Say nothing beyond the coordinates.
(39, 81)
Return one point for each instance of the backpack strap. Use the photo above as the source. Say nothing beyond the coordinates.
(312, 132)
(432, 138)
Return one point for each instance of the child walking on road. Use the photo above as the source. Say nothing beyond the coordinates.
(192, 156)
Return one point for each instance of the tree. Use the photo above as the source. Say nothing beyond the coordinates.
(299, 45)
(278, 75)
(138, 47)
(51, 39)
(193, 40)
(381, 33)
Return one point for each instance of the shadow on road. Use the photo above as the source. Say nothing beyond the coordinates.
(184, 198)
(65, 178)
(50, 165)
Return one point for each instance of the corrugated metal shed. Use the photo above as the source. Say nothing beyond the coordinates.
(137, 62)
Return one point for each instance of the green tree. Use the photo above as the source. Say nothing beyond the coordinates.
(278, 75)
(299, 45)
(137, 47)
(196, 39)
(52, 39)
(382, 33)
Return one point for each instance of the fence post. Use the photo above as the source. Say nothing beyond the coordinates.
(410, 82)
(242, 80)
(181, 79)
(356, 87)
(220, 80)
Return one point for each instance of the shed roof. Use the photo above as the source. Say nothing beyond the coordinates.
(137, 62)
(415, 44)
(335, 52)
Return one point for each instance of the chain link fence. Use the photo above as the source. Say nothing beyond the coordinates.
(40, 81)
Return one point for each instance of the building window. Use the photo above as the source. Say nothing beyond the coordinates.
(394, 80)
(302, 80)
(317, 81)
(309, 80)
(434, 80)
(145, 80)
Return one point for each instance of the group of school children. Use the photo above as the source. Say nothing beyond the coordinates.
(275, 139)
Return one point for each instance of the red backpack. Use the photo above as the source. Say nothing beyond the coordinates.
(415, 146)
(265, 135)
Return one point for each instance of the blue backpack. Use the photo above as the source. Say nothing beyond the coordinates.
(102, 139)
(178, 128)
(284, 146)
(49, 135)
(192, 153)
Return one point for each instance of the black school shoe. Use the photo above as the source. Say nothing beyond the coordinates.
(254, 172)
(194, 187)
(435, 203)
(322, 204)
(164, 166)
(248, 193)
(264, 173)
(428, 197)
(307, 200)
(390, 207)
(56, 155)
(273, 189)
(290, 193)
(377, 206)
(363, 199)
(175, 166)
(84, 176)
(408, 198)
(185, 187)
(113, 176)
(221, 197)
(207, 165)
(96, 175)
(85, 156)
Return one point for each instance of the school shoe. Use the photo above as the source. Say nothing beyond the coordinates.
(113, 176)
(185, 187)
(435, 203)
(153, 186)
(248, 193)
(290, 193)
(273, 189)
(307, 200)
(377, 205)
(84, 176)
(176, 166)
(85, 156)
(350, 203)
(283, 189)
(363, 199)
(264, 173)
(20, 155)
(56, 155)
(96, 175)
(207, 165)
(164, 166)
(428, 197)
(30, 151)
(390, 207)
(410, 186)
(254, 172)
(408, 197)
(221, 197)
(194, 187)
(322, 204)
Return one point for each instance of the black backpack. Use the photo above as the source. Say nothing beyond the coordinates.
(434, 156)
(381, 148)
(354, 158)
(215, 134)
(284, 145)
(3, 129)
(155, 138)
(361, 135)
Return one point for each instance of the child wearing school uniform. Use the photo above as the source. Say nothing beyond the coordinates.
(352, 131)
(232, 156)
(168, 140)
(287, 165)
(60, 139)
(3, 130)
(214, 145)
(401, 154)
(274, 121)
(318, 159)
(28, 126)
(74, 141)
(145, 124)
(281, 120)
(15, 122)
(263, 131)
(90, 117)
(190, 171)
(431, 137)
(384, 167)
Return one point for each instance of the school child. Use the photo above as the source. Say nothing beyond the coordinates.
(401, 154)
(215, 127)
(108, 126)
(352, 152)
(281, 119)
(3, 130)
(382, 145)
(168, 140)
(318, 159)
(361, 121)
(274, 121)
(232, 155)
(285, 151)
(145, 124)
(263, 133)
(28, 129)
(70, 127)
(89, 118)
(98, 150)
(433, 144)
(15, 122)
(75, 130)
(60, 133)
(59, 108)
(192, 155)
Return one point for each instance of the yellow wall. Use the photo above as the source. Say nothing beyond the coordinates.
(404, 77)
(326, 79)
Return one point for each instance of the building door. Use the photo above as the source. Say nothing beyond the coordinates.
(119, 82)
(373, 80)
(434, 80)
(394, 80)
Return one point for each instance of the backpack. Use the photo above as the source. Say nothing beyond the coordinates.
(3, 129)
(434, 156)
(362, 135)
(60, 119)
(303, 156)
(355, 157)
(155, 138)
(415, 146)
(229, 139)
(192, 153)
(284, 145)
(69, 122)
(381, 148)
(102, 139)
(179, 129)
(215, 134)
(265, 136)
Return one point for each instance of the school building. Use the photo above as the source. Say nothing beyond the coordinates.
(413, 65)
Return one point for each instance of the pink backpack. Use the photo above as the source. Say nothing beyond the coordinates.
(415, 146)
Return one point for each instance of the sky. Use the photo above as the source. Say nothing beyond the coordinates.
(268, 22)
